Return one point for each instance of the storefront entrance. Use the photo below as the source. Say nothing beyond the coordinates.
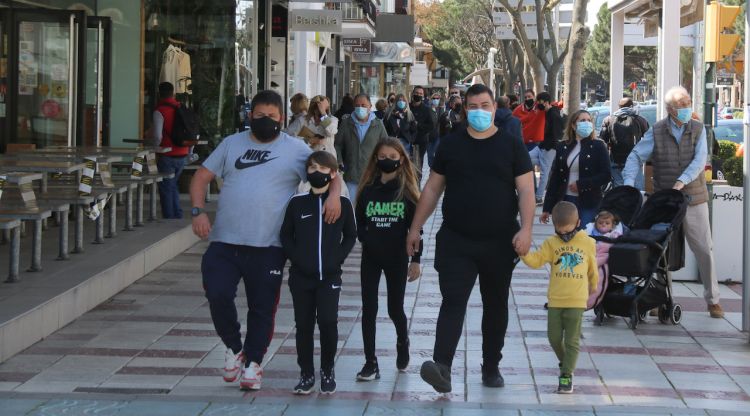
(54, 77)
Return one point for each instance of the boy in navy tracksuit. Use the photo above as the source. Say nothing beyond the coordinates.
(316, 250)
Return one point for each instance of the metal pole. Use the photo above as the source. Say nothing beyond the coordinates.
(491, 66)
(746, 185)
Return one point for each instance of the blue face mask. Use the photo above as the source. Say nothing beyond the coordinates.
(584, 128)
(401, 105)
(361, 112)
(684, 114)
(435, 103)
(480, 120)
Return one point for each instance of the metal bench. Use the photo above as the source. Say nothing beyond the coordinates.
(30, 214)
(14, 227)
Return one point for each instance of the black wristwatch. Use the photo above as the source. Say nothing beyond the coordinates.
(196, 211)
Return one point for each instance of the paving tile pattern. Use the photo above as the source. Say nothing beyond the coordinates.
(155, 342)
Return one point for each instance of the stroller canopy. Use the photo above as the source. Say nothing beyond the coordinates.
(623, 201)
(665, 206)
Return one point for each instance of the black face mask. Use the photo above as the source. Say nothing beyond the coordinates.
(417, 98)
(388, 165)
(265, 129)
(540, 106)
(529, 103)
(566, 237)
(318, 179)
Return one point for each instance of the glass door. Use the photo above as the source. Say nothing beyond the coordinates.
(3, 79)
(48, 72)
(97, 85)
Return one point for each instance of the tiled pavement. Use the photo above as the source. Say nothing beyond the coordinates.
(151, 350)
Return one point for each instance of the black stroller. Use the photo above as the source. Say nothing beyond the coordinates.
(640, 260)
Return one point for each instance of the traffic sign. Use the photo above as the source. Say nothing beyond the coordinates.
(726, 81)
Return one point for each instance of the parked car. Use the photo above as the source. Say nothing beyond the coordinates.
(727, 113)
(729, 129)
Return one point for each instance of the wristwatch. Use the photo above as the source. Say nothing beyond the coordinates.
(195, 211)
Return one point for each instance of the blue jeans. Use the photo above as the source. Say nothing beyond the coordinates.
(168, 190)
(431, 149)
(586, 215)
(352, 188)
(543, 159)
(618, 180)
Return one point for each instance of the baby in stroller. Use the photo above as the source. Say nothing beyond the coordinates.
(606, 224)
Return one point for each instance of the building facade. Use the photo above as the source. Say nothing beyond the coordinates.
(86, 72)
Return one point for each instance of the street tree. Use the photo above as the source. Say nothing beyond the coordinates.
(541, 55)
(639, 63)
(579, 33)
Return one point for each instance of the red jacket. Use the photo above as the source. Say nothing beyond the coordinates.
(532, 123)
(164, 107)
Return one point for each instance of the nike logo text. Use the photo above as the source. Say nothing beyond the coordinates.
(253, 158)
(306, 216)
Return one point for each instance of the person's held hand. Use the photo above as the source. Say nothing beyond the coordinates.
(678, 185)
(414, 271)
(522, 242)
(412, 242)
(573, 187)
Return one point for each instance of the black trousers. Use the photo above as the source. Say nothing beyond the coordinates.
(458, 261)
(260, 268)
(315, 300)
(395, 278)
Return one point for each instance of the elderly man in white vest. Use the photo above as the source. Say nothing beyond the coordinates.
(677, 149)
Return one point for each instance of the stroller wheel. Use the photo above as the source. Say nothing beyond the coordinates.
(634, 318)
(599, 311)
(664, 314)
(675, 314)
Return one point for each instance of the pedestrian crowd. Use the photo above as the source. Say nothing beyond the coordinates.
(308, 192)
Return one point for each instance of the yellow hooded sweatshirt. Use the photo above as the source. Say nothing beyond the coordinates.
(574, 271)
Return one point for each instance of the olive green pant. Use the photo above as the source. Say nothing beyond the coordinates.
(564, 334)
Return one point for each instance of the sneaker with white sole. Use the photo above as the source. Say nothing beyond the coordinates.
(251, 377)
(233, 364)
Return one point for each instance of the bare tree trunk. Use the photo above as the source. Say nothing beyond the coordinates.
(579, 33)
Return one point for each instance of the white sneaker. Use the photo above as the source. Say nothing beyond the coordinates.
(251, 377)
(233, 363)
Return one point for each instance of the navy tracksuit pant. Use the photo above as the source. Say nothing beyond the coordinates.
(261, 269)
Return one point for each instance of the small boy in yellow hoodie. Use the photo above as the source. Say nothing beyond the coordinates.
(572, 255)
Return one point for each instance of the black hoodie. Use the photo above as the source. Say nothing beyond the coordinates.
(317, 249)
(383, 222)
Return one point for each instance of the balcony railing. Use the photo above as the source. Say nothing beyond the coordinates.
(354, 12)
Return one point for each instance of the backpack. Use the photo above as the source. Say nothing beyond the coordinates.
(185, 127)
(625, 132)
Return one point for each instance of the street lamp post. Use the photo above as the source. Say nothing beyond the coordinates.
(491, 66)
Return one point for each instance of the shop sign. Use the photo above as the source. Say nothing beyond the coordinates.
(351, 41)
(315, 21)
(387, 52)
(724, 81)
(365, 47)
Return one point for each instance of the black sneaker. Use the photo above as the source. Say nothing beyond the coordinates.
(565, 385)
(402, 355)
(327, 382)
(305, 385)
(491, 376)
(369, 372)
(437, 375)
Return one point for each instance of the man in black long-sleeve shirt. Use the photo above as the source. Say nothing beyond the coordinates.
(425, 124)
(544, 154)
